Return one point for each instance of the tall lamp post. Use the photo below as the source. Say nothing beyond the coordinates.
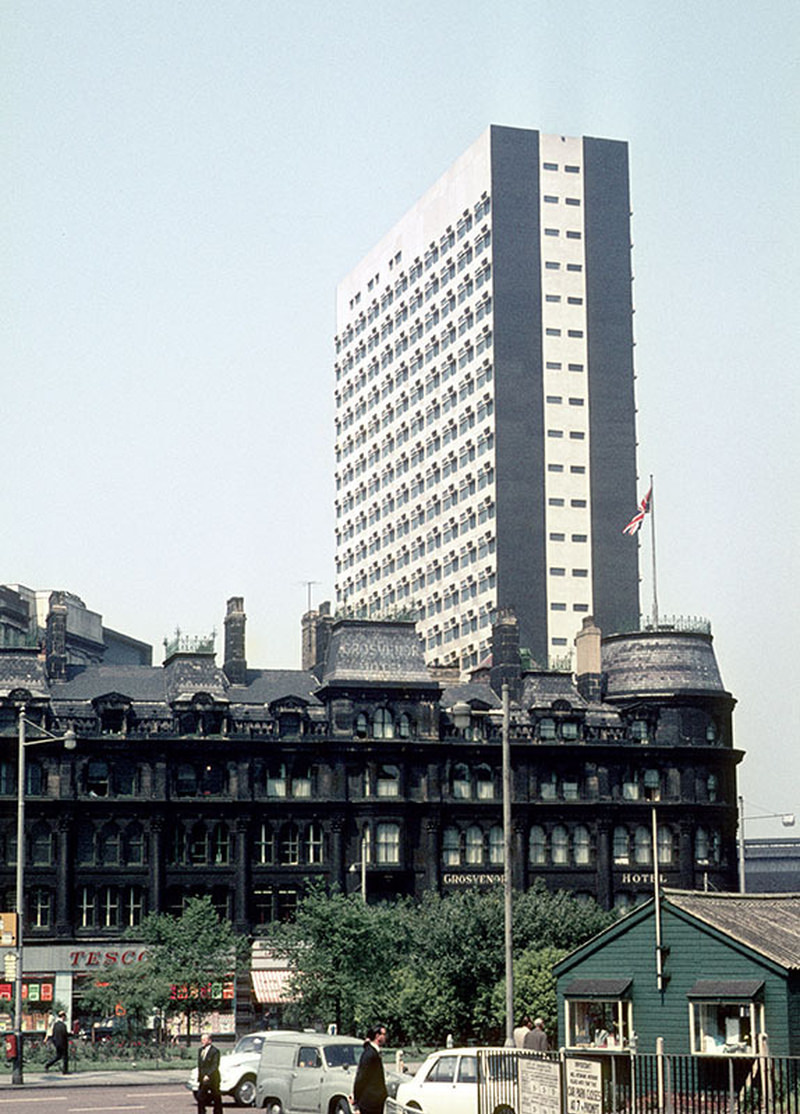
(68, 740)
(786, 818)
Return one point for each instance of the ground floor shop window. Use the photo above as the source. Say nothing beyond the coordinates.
(598, 1013)
(726, 1017)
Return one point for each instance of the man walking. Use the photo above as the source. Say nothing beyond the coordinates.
(369, 1089)
(60, 1039)
(208, 1076)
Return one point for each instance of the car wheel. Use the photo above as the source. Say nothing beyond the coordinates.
(504, 1109)
(272, 1106)
(342, 1107)
(244, 1093)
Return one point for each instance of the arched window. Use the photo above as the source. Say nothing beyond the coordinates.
(198, 845)
(484, 783)
(314, 844)
(451, 847)
(290, 846)
(110, 845)
(642, 846)
(622, 846)
(362, 727)
(382, 724)
(388, 781)
(276, 779)
(133, 845)
(581, 845)
(474, 846)
(666, 844)
(387, 843)
(462, 782)
(85, 844)
(220, 845)
(537, 846)
(301, 780)
(41, 846)
(496, 845)
(559, 845)
(712, 787)
(404, 726)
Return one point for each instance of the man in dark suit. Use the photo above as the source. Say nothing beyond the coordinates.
(369, 1089)
(208, 1076)
(60, 1039)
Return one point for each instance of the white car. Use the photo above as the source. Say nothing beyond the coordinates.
(237, 1070)
(447, 1082)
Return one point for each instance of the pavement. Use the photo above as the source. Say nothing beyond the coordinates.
(55, 1080)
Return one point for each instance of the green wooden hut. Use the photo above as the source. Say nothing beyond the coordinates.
(729, 973)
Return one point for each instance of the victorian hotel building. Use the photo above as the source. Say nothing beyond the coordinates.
(192, 778)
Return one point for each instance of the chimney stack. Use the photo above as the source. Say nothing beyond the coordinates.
(506, 665)
(235, 660)
(589, 662)
(316, 634)
(56, 638)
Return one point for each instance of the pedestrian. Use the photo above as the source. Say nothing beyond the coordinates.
(208, 1076)
(522, 1031)
(60, 1039)
(369, 1089)
(537, 1038)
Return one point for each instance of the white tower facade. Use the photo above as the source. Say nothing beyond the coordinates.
(485, 417)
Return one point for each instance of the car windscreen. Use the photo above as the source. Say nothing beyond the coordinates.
(342, 1055)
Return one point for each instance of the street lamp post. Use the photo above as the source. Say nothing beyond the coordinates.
(786, 818)
(68, 740)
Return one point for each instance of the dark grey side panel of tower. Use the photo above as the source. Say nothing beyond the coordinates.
(521, 556)
(612, 412)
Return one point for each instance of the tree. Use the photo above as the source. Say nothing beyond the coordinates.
(534, 988)
(190, 959)
(343, 956)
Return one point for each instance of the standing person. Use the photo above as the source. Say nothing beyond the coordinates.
(521, 1032)
(60, 1039)
(208, 1076)
(369, 1089)
(537, 1038)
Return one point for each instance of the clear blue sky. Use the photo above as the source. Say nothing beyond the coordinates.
(183, 184)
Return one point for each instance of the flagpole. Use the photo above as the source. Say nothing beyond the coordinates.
(653, 552)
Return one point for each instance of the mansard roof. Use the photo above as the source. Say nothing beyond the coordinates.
(23, 669)
(268, 686)
(653, 662)
(542, 689)
(385, 654)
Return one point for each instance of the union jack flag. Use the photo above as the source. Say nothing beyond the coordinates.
(638, 518)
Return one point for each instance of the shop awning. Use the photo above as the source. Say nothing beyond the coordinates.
(726, 990)
(271, 987)
(598, 988)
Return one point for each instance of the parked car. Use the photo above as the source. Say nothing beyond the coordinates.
(310, 1072)
(237, 1069)
(447, 1083)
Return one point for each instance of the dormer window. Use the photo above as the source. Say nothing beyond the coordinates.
(639, 731)
(569, 730)
(547, 728)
